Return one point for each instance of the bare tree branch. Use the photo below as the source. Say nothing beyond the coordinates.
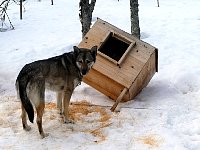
(4, 15)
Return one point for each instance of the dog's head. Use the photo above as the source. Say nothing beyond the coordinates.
(85, 58)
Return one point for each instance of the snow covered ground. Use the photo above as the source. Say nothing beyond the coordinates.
(164, 116)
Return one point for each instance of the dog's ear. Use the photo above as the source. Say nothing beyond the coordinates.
(76, 50)
(94, 51)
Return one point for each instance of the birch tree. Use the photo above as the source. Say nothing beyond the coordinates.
(135, 28)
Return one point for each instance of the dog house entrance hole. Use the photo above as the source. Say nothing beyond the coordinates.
(114, 47)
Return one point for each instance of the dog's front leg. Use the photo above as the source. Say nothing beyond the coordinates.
(66, 100)
(59, 98)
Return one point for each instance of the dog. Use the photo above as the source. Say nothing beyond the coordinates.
(61, 74)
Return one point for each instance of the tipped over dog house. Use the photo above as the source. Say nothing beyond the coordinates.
(124, 64)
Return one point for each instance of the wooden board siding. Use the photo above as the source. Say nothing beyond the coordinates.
(105, 85)
(144, 77)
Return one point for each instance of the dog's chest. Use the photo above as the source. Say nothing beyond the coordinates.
(77, 82)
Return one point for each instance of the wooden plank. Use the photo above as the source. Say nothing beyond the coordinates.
(104, 84)
(140, 54)
(122, 38)
(119, 99)
(125, 54)
(144, 76)
(124, 75)
(120, 75)
(108, 58)
(95, 36)
(111, 71)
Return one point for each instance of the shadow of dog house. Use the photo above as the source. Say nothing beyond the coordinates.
(124, 64)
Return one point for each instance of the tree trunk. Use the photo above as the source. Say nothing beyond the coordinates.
(135, 28)
(158, 3)
(85, 14)
(20, 9)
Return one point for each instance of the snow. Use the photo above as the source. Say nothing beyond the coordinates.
(164, 116)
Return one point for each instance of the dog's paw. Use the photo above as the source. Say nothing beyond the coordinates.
(26, 128)
(60, 111)
(43, 135)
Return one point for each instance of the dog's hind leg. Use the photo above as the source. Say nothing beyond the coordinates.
(39, 98)
(24, 119)
(40, 111)
(59, 101)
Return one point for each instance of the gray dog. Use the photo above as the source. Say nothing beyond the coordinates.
(61, 74)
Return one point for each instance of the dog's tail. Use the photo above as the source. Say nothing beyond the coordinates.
(21, 84)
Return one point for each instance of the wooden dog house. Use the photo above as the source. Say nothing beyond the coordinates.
(124, 64)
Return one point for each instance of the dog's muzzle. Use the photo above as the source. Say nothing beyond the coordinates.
(84, 71)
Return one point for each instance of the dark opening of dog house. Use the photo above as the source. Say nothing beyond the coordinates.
(114, 46)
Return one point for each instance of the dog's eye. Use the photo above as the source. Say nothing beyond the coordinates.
(88, 61)
(80, 61)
